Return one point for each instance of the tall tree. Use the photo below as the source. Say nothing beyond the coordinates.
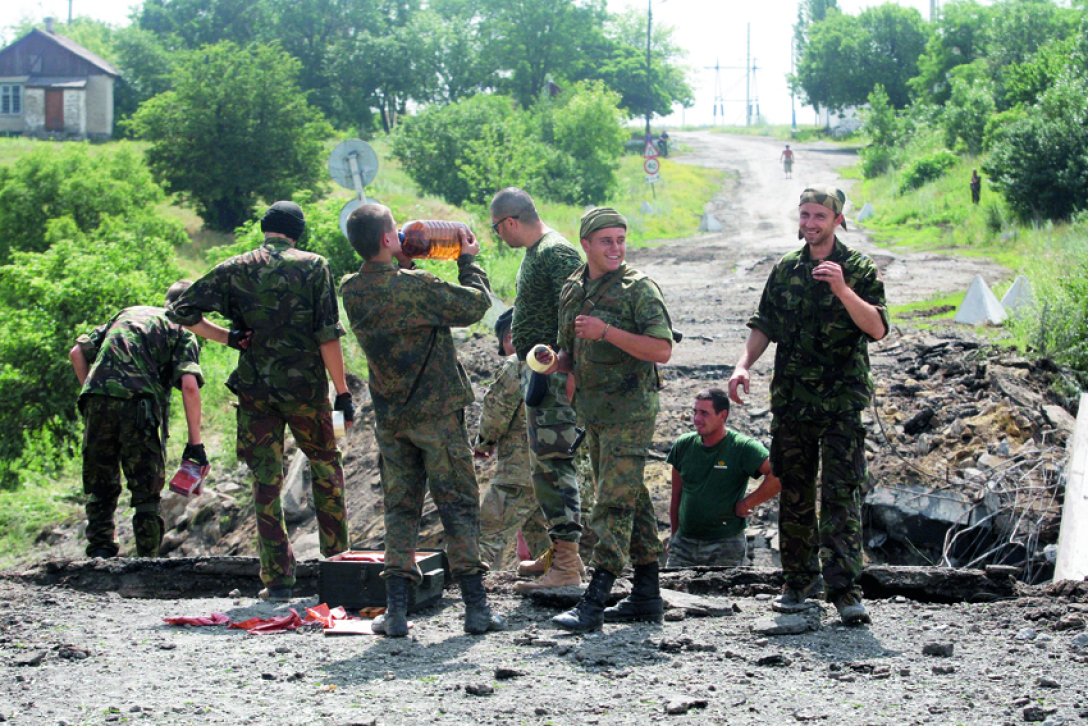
(621, 64)
(846, 56)
(536, 39)
(235, 129)
(194, 23)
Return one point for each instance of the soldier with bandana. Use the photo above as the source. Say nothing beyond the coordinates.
(614, 329)
(821, 305)
(402, 317)
(127, 368)
(284, 319)
(552, 424)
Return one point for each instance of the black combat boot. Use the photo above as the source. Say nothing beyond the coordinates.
(644, 603)
(394, 621)
(588, 614)
(478, 616)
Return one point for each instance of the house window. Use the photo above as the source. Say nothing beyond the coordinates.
(11, 100)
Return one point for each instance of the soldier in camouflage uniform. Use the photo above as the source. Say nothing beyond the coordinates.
(508, 504)
(549, 260)
(285, 321)
(402, 318)
(821, 305)
(613, 330)
(126, 368)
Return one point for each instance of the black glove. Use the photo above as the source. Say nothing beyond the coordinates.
(343, 404)
(239, 339)
(196, 454)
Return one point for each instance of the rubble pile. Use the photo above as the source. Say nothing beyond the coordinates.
(967, 452)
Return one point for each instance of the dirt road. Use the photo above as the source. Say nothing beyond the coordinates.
(713, 281)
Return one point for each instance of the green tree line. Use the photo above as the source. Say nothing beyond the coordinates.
(1006, 82)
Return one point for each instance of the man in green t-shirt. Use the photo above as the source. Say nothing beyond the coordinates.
(710, 472)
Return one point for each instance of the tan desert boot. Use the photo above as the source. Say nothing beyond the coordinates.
(564, 570)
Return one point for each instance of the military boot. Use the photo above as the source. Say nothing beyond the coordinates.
(644, 603)
(564, 570)
(588, 614)
(537, 567)
(478, 616)
(394, 621)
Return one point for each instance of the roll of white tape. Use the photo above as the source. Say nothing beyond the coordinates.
(534, 363)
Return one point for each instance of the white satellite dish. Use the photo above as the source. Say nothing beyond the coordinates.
(353, 164)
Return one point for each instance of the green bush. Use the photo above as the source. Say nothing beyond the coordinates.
(926, 169)
(565, 149)
(234, 129)
(76, 181)
(78, 283)
(1040, 162)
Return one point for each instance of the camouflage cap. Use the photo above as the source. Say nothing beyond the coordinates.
(830, 197)
(600, 218)
(502, 325)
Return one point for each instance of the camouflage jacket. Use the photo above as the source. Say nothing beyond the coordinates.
(613, 386)
(821, 363)
(139, 353)
(402, 319)
(502, 420)
(541, 277)
(286, 297)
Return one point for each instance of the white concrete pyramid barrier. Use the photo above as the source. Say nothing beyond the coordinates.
(980, 305)
(709, 224)
(1018, 296)
(866, 212)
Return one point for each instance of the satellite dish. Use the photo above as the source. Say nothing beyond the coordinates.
(350, 207)
(366, 162)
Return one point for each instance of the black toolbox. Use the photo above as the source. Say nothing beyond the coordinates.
(353, 580)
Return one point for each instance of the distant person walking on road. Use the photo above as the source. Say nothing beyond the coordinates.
(822, 304)
(976, 186)
(787, 161)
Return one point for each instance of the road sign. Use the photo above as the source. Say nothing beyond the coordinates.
(652, 166)
(653, 178)
(651, 150)
(353, 158)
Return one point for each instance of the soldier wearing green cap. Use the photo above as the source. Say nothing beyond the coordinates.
(509, 503)
(821, 305)
(285, 322)
(613, 330)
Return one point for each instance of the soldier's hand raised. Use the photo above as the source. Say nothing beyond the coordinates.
(469, 244)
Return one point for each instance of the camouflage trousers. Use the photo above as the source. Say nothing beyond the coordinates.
(551, 428)
(509, 505)
(836, 450)
(261, 427)
(111, 444)
(434, 455)
(623, 517)
(726, 552)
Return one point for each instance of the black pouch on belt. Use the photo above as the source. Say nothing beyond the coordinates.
(537, 389)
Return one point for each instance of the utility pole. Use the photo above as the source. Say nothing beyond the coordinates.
(793, 108)
(649, 83)
(748, 81)
(70, 13)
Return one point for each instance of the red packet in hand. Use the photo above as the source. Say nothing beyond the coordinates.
(189, 481)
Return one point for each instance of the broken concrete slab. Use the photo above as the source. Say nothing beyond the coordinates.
(696, 605)
(916, 513)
